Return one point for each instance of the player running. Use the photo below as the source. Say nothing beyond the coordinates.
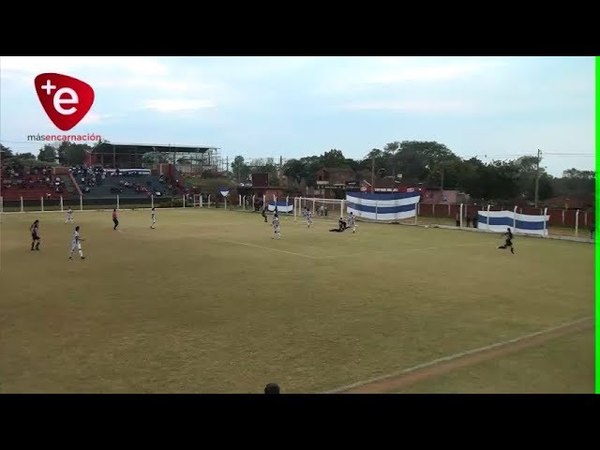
(115, 218)
(76, 244)
(264, 213)
(69, 216)
(276, 226)
(352, 222)
(153, 215)
(35, 235)
(308, 217)
(508, 242)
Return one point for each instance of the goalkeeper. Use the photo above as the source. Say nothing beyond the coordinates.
(342, 225)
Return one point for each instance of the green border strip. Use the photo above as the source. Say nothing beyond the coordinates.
(597, 244)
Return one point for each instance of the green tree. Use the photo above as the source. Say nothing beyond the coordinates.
(47, 153)
(546, 186)
(5, 152)
(71, 154)
(575, 183)
(240, 169)
(333, 158)
(527, 168)
(295, 169)
(417, 161)
(25, 156)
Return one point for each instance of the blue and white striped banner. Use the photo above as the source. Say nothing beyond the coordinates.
(499, 221)
(395, 206)
(282, 206)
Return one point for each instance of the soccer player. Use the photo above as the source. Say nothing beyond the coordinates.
(115, 219)
(69, 215)
(352, 222)
(341, 226)
(276, 226)
(308, 217)
(76, 244)
(153, 218)
(508, 242)
(35, 235)
(264, 213)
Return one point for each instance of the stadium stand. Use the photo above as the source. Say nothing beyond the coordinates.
(34, 182)
(98, 182)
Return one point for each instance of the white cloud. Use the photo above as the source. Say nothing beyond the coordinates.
(172, 105)
(438, 72)
(115, 79)
(366, 74)
(416, 106)
(93, 118)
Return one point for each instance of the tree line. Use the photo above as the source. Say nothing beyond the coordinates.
(66, 154)
(411, 162)
(433, 165)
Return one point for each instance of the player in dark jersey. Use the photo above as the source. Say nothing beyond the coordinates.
(264, 213)
(508, 241)
(115, 219)
(341, 226)
(35, 235)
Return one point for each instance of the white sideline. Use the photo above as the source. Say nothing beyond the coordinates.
(456, 356)
(267, 248)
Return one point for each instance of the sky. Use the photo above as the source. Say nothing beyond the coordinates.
(259, 107)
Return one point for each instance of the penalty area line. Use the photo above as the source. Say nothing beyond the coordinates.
(246, 244)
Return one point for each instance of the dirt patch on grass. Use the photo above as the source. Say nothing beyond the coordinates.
(398, 381)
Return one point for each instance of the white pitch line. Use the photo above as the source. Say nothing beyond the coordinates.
(267, 248)
(456, 356)
(401, 251)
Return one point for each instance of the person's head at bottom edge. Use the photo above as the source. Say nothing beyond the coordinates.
(272, 388)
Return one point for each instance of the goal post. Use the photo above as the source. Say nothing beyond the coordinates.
(321, 208)
(198, 200)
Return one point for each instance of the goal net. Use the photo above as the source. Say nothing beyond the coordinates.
(321, 208)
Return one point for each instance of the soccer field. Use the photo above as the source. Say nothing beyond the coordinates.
(207, 302)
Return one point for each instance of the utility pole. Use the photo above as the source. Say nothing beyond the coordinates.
(373, 173)
(537, 178)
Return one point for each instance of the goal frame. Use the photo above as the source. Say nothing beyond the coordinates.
(312, 202)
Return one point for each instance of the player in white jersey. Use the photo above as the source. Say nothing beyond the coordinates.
(76, 244)
(69, 215)
(352, 222)
(308, 217)
(276, 226)
(153, 215)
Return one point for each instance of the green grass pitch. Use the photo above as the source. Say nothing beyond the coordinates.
(207, 302)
